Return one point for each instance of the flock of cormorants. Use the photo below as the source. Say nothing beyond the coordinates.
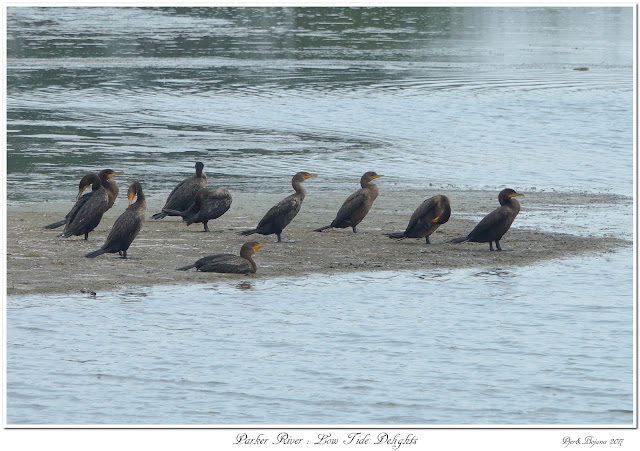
(195, 203)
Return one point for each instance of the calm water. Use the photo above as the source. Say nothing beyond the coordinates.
(446, 347)
(451, 98)
(463, 97)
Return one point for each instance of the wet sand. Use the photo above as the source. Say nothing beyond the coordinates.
(40, 262)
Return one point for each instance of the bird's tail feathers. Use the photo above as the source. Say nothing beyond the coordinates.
(184, 268)
(55, 225)
(159, 215)
(462, 239)
(322, 228)
(168, 212)
(95, 253)
(248, 232)
(396, 235)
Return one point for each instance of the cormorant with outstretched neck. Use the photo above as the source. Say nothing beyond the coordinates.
(430, 215)
(229, 263)
(356, 207)
(110, 185)
(495, 224)
(87, 212)
(281, 214)
(208, 204)
(127, 226)
(183, 195)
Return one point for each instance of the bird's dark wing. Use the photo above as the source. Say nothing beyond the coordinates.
(280, 210)
(208, 258)
(491, 224)
(226, 264)
(353, 202)
(184, 193)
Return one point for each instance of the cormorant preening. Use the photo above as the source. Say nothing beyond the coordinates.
(356, 207)
(127, 226)
(208, 204)
(430, 215)
(495, 224)
(110, 185)
(88, 210)
(229, 263)
(183, 195)
(281, 214)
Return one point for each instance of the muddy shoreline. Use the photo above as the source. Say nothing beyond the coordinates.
(40, 262)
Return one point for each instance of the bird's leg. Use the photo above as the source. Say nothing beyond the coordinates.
(206, 226)
(279, 239)
(124, 254)
(354, 229)
(490, 245)
(120, 252)
(86, 235)
(498, 245)
(427, 240)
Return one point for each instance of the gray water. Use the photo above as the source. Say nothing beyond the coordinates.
(447, 98)
(445, 347)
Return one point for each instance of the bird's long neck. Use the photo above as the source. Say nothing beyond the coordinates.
(252, 264)
(514, 205)
(140, 196)
(249, 257)
(372, 187)
(297, 186)
(511, 203)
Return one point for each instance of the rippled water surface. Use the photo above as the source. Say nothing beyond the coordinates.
(450, 347)
(451, 98)
(465, 97)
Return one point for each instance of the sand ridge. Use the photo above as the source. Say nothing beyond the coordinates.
(40, 262)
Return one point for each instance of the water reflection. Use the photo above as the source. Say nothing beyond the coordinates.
(245, 286)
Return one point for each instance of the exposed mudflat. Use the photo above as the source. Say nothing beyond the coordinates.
(40, 262)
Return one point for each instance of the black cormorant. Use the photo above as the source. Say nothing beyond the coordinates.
(430, 215)
(281, 214)
(229, 263)
(208, 204)
(356, 207)
(87, 212)
(127, 226)
(183, 195)
(493, 226)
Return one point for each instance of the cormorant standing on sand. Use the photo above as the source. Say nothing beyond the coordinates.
(127, 226)
(356, 207)
(183, 195)
(430, 215)
(495, 224)
(209, 204)
(87, 212)
(281, 214)
(110, 185)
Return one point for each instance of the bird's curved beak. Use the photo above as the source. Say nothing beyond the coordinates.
(256, 247)
(113, 174)
(130, 196)
(81, 191)
(377, 176)
(516, 195)
(310, 176)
